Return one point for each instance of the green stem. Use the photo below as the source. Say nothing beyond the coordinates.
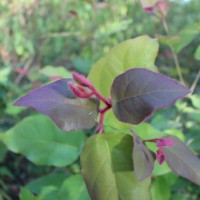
(194, 84)
(175, 57)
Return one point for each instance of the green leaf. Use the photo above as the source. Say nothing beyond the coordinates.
(107, 29)
(162, 123)
(111, 123)
(3, 150)
(160, 189)
(107, 168)
(146, 131)
(197, 53)
(25, 194)
(167, 40)
(160, 169)
(73, 188)
(82, 65)
(43, 143)
(4, 171)
(52, 71)
(195, 98)
(4, 74)
(49, 193)
(54, 180)
(176, 133)
(195, 115)
(13, 110)
(138, 52)
(185, 37)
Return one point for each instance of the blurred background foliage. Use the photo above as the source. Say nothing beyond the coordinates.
(41, 41)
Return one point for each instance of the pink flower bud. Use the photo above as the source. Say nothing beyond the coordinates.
(160, 156)
(81, 80)
(160, 143)
(80, 91)
(74, 89)
(149, 9)
(162, 7)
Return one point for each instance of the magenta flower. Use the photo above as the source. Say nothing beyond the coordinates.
(82, 80)
(149, 9)
(159, 9)
(162, 7)
(160, 143)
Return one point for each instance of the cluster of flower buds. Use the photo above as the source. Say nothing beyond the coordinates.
(160, 143)
(82, 88)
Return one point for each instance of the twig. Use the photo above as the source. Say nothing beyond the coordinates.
(178, 68)
(175, 57)
(26, 67)
(194, 84)
(100, 127)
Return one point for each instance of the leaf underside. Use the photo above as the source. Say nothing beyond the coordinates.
(57, 101)
(182, 160)
(142, 159)
(138, 92)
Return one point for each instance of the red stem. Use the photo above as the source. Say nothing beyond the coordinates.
(79, 91)
(100, 96)
(100, 128)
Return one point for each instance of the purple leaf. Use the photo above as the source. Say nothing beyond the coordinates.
(182, 161)
(138, 92)
(143, 160)
(57, 101)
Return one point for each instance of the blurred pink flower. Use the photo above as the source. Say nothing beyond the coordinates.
(163, 7)
(159, 8)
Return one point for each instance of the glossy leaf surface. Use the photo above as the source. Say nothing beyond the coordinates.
(73, 188)
(143, 160)
(51, 180)
(25, 194)
(182, 161)
(43, 143)
(138, 92)
(107, 168)
(140, 51)
(57, 101)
